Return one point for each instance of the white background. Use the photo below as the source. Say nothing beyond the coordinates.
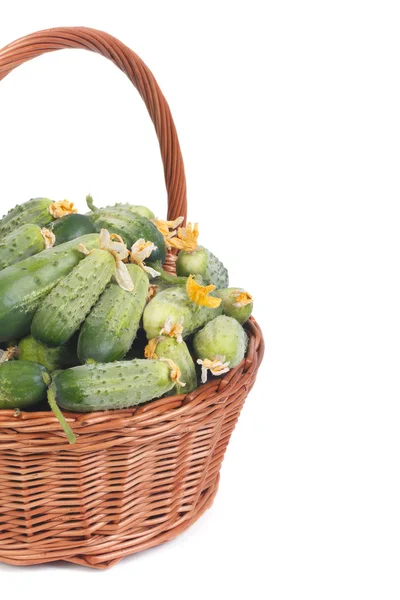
(289, 120)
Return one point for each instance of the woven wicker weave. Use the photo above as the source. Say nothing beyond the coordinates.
(135, 478)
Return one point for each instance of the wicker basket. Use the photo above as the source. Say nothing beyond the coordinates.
(135, 478)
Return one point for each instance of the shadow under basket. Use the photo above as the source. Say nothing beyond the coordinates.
(138, 477)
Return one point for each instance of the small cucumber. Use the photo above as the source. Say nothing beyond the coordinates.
(68, 304)
(167, 347)
(110, 386)
(34, 211)
(23, 286)
(174, 303)
(131, 228)
(130, 208)
(22, 384)
(25, 241)
(223, 337)
(70, 227)
(236, 303)
(202, 262)
(111, 327)
(53, 359)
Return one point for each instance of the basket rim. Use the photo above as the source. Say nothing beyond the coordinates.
(161, 410)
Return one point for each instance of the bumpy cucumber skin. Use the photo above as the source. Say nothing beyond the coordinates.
(242, 313)
(34, 211)
(131, 227)
(68, 304)
(111, 386)
(174, 303)
(70, 227)
(135, 209)
(25, 241)
(53, 359)
(223, 336)
(203, 262)
(111, 327)
(22, 384)
(179, 353)
(24, 285)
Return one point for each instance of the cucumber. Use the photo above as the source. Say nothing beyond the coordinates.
(126, 207)
(138, 346)
(111, 327)
(25, 241)
(23, 286)
(53, 359)
(70, 227)
(178, 352)
(131, 228)
(22, 384)
(34, 211)
(109, 386)
(68, 304)
(202, 262)
(236, 303)
(37, 211)
(174, 303)
(223, 337)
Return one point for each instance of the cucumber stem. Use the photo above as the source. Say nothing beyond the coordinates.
(167, 277)
(51, 397)
(90, 203)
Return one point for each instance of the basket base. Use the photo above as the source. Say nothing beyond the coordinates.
(107, 561)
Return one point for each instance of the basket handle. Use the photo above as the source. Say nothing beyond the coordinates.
(48, 40)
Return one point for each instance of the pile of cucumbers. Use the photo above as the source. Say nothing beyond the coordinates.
(89, 319)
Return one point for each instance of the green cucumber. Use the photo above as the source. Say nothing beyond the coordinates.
(175, 303)
(25, 241)
(223, 337)
(53, 359)
(229, 297)
(70, 227)
(111, 327)
(126, 207)
(66, 307)
(131, 228)
(34, 211)
(110, 386)
(178, 352)
(202, 262)
(23, 286)
(68, 304)
(22, 384)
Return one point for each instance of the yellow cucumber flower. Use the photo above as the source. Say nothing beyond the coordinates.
(218, 366)
(49, 237)
(138, 254)
(60, 209)
(187, 238)
(175, 371)
(167, 229)
(173, 330)
(199, 293)
(242, 299)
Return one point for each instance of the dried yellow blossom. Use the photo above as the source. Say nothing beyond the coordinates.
(242, 299)
(114, 244)
(150, 350)
(60, 209)
(199, 293)
(167, 229)
(175, 371)
(138, 254)
(187, 238)
(152, 292)
(49, 237)
(9, 354)
(173, 330)
(218, 366)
